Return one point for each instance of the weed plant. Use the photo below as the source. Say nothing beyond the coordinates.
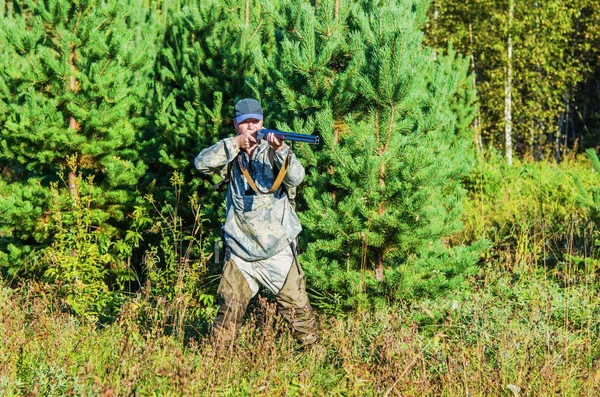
(532, 214)
(174, 297)
(529, 337)
(84, 263)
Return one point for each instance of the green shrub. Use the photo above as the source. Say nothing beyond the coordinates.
(383, 191)
(85, 263)
(589, 197)
(175, 294)
(531, 213)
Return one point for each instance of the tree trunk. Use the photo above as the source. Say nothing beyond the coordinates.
(72, 173)
(557, 147)
(379, 267)
(72, 182)
(508, 92)
(566, 120)
(477, 121)
(247, 13)
(436, 13)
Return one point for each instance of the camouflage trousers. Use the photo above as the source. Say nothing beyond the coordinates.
(293, 304)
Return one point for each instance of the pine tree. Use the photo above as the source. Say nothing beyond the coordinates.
(312, 74)
(210, 58)
(313, 70)
(385, 188)
(72, 105)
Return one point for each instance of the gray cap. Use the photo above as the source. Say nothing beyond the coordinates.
(247, 109)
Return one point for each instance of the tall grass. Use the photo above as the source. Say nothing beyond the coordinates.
(528, 325)
(529, 337)
(531, 213)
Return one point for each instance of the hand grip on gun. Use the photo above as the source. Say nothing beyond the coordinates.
(290, 136)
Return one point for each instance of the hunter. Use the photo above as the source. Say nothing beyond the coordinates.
(260, 227)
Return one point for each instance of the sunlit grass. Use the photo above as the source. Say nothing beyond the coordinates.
(528, 324)
(530, 336)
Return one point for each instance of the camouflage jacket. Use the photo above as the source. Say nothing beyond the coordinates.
(257, 226)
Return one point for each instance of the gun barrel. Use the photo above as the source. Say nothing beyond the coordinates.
(291, 136)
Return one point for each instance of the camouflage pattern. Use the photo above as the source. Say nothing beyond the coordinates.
(234, 295)
(270, 273)
(257, 226)
(258, 230)
(292, 304)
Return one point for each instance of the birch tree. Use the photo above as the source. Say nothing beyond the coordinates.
(508, 87)
(527, 67)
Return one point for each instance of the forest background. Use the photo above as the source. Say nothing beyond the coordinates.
(450, 213)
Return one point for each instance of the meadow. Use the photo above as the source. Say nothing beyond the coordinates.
(527, 324)
(451, 219)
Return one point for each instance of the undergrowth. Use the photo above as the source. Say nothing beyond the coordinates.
(527, 324)
(532, 214)
(529, 337)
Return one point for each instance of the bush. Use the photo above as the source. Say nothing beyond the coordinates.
(83, 261)
(531, 213)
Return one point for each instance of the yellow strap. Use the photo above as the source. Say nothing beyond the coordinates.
(277, 182)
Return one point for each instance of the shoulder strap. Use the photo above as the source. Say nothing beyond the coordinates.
(278, 180)
(226, 177)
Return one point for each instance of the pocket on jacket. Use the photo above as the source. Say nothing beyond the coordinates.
(256, 230)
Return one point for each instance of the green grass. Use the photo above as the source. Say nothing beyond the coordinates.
(528, 324)
(532, 334)
(531, 213)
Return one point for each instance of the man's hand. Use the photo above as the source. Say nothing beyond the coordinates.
(274, 142)
(246, 141)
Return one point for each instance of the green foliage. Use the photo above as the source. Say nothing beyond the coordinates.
(21, 214)
(85, 266)
(532, 334)
(587, 49)
(549, 41)
(532, 215)
(176, 267)
(75, 89)
(385, 187)
(313, 68)
(101, 100)
(210, 50)
(590, 198)
(72, 103)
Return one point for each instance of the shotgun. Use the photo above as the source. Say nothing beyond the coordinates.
(290, 136)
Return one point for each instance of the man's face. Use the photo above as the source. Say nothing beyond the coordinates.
(248, 126)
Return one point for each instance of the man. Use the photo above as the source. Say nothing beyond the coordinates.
(260, 227)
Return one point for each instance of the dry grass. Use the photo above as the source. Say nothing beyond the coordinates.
(529, 325)
(529, 338)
